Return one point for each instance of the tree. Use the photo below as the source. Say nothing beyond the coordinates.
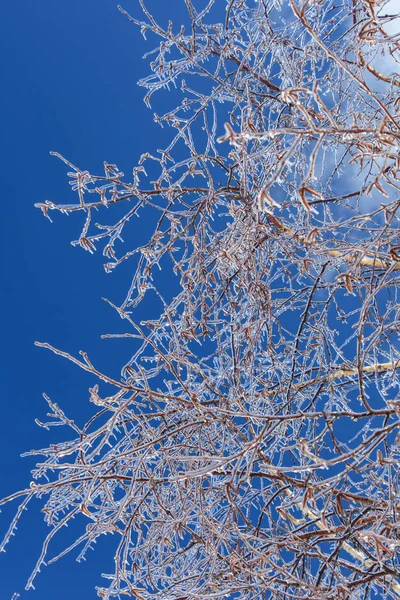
(251, 447)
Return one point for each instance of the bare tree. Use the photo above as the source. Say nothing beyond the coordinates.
(251, 447)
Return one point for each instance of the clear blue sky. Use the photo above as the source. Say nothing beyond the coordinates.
(69, 72)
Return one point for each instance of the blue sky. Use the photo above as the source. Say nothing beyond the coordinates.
(69, 73)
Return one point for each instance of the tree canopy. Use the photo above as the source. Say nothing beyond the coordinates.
(250, 448)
